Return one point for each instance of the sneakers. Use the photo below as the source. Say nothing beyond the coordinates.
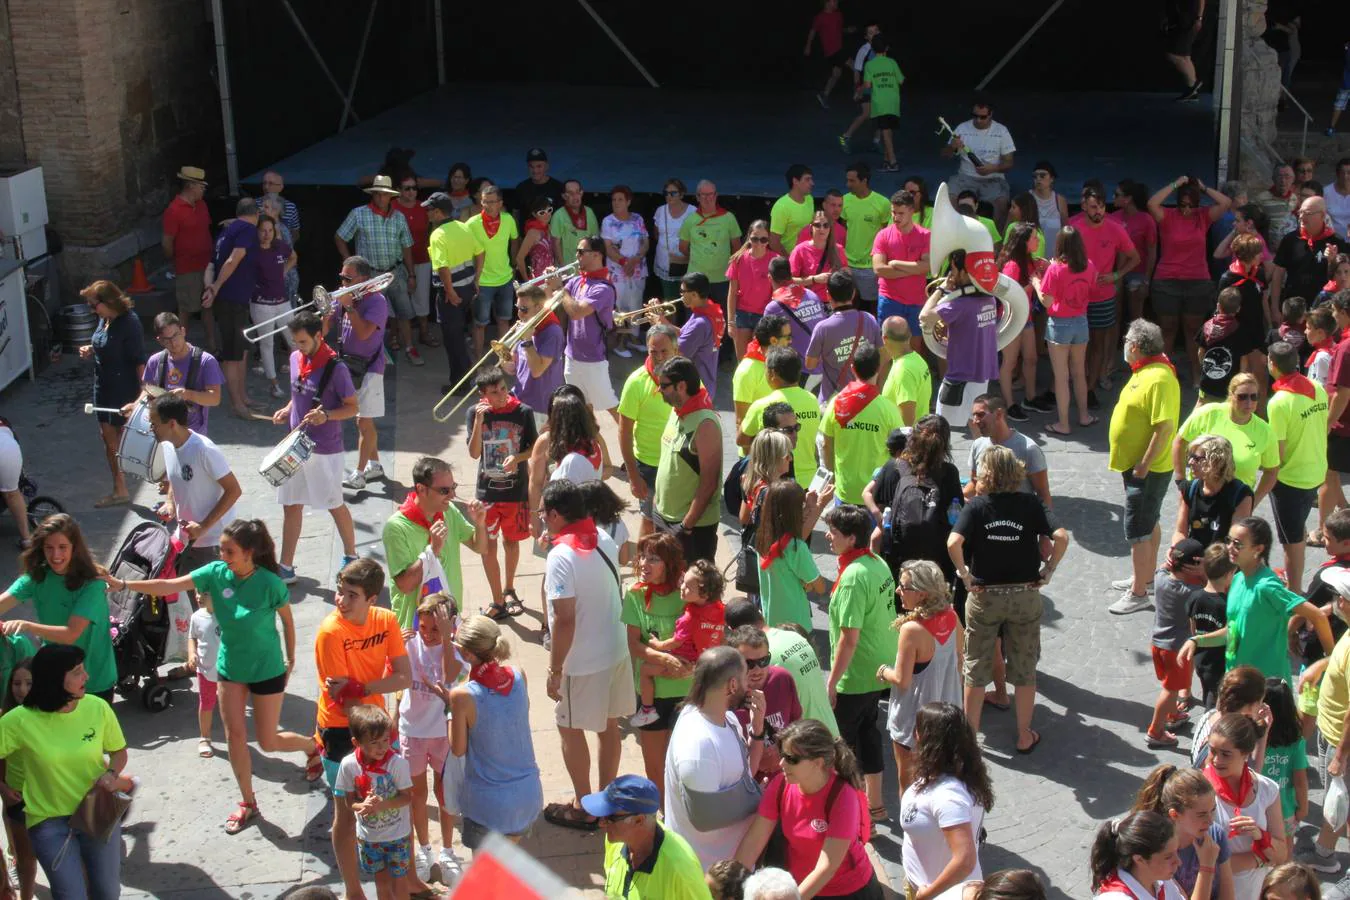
(374, 471)
(1039, 404)
(287, 573)
(1330, 132)
(843, 142)
(422, 862)
(1130, 603)
(1319, 863)
(354, 481)
(889, 167)
(276, 391)
(635, 343)
(1191, 94)
(824, 104)
(1339, 891)
(451, 868)
(623, 352)
(645, 716)
(1124, 584)
(414, 357)
(1017, 413)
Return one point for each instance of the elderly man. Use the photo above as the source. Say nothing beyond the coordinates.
(986, 151)
(186, 240)
(273, 184)
(708, 237)
(643, 858)
(1279, 202)
(909, 381)
(452, 251)
(236, 275)
(990, 415)
(571, 223)
(750, 381)
(361, 347)
(643, 414)
(690, 470)
(789, 408)
(1298, 414)
(589, 300)
(495, 236)
(1142, 425)
(1302, 258)
(383, 238)
(538, 360)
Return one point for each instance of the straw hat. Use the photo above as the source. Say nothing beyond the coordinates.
(382, 184)
(192, 174)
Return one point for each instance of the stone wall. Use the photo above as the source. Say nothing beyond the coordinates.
(1259, 71)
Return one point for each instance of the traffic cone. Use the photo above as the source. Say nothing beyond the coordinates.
(139, 283)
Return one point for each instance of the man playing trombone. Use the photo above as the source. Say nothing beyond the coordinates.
(588, 300)
(538, 356)
(361, 347)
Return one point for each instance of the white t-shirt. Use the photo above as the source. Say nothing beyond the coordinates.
(601, 640)
(421, 713)
(1338, 208)
(988, 144)
(203, 629)
(704, 757)
(1247, 885)
(1171, 891)
(1319, 367)
(576, 468)
(668, 237)
(194, 472)
(923, 815)
(392, 824)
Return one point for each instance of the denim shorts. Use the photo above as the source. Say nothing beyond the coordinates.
(494, 303)
(648, 474)
(747, 319)
(1067, 329)
(886, 307)
(1143, 503)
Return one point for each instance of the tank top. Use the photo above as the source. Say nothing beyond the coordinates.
(502, 790)
(939, 679)
(1048, 210)
(677, 474)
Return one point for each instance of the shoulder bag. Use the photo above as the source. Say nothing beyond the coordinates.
(711, 810)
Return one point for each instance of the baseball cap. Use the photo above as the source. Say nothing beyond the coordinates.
(1338, 579)
(1186, 551)
(439, 200)
(625, 795)
(536, 154)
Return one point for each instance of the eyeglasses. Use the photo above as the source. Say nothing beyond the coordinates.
(1196, 458)
(169, 338)
(761, 663)
(1245, 398)
(672, 193)
(759, 239)
(707, 194)
(1235, 543)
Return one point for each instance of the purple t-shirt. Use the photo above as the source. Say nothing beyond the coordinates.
(243, 281)
(208, 375)
(832, 343)
(534, 392)
(271, 265)
(696, 343)
(328, 436)
(972, 337)
(586, 336)
(803, 320)
(373, 308)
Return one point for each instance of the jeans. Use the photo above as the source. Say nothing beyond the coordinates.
(68, 857)
(454, 332)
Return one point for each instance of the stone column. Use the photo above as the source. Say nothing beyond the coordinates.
(1259, 77)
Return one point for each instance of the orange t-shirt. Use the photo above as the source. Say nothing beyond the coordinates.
(361, 652)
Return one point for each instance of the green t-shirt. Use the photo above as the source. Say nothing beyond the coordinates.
(660, 617)
(1280, 765)
(676, 480)
(404, 541)
(885, 75)
(496, 250)
(782, 586)
(788, 218)
(568, 235)
(1254, 444)
(910, 380)
(1258, 618)
(807, 408)
(865, 217)
(709, 243)
(641, 401)
(750, 381)
(1301, 423)
(54, 604)
(674, 874)
(452, 245)
(63, 754)
(860, 447)
(246, 612)
(795, 653)
(864, 598)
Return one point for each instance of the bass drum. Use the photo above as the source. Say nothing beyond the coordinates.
(1013, 310)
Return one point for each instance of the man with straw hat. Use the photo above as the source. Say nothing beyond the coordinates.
(383, 238)
(187, 241)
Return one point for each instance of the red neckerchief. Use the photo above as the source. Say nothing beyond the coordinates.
(1113, 884)
(493, 676)
(1331, 285)
(790, 295)
(713, 313)
(511, 405)
(1295, 384)
(754, 351)
(658, 589)
(591, 452)
(413, 513)
(580, 535)
(852, 400)
(1327, 231)
(463, 193)
(320, 359)
(535, 225)
(578, 218)
(719, 211)
(383, 215)
(597, 275)
(701, 400)
(651, 370)
(1341, 560)
(942, 625)
(1327, 345)
(366, 768)
(778, 548)
(1262, 843)
(848, 556)
(1245, 275)
(491, 224)
(547, 321)
(1150, 360)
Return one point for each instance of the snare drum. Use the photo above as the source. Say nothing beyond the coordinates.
(139, 453)
(287, 458)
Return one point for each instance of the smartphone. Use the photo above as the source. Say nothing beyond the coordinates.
(820, 480)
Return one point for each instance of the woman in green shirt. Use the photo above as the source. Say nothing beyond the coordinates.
(61, 579)
(787, 570)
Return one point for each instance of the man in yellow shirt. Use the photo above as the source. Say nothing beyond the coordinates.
(909, 382)
(452, 250)
(783, 369)
(792, 210)
(643, 415)
(1142, 425)
(750, 380)
(856, 426)
(1298, 412)
(1333, 701)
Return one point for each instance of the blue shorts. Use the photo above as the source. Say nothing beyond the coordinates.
(886, 307)
(494, 302)
(747, 319)
(648, 474)
(1067, 329)
(379, 856)
(1143, 503)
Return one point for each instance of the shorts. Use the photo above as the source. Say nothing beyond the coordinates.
(859, 723)
(747, 320)
(472, 833)
(1182, 297)
(956, 400)
(1325, 751)
(1134, 279)
(648, 474)
(509, 520)
(986, 187)
(231, 320)
(421, 298)
(206, 693)
(593, 379)
(865, 281)
(400, 304)
(425, 753)
(452, 783)
(11, 461)
(337, 746)
(318, 484)
(667, 711)
(1338, 453)
(370, 396)
(1342, 99)
(1178, 39)
(1143, 503)
(1102, 315)
(886, 123)
(273, 685)
(839, 59)
(1170, 673)
(394, 856)
(1014, 616)
(886, 307)
(497, 302)
(700, 543)
(1066, 330)
(187, 292)
(590, 701)
(1292, 506)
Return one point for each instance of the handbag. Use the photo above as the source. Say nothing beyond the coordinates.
(99, 812)
(711, 810)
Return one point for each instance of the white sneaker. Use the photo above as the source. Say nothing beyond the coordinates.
(1124, 584)
(451, 868)
(354, 480)
(623, 352)
(1130, 603)
(422, 861)
(374, 471)
(645, 716)
(276, 391)
(1339, 891)
(1316, 861)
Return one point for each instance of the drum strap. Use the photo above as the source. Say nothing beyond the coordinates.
(194, 366)
(324, 377)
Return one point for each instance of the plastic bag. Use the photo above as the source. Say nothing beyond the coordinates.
(1336, 805)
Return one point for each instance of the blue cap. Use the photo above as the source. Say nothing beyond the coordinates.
(625, 795)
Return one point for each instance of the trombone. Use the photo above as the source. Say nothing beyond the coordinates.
(647, 314)
(323, 302)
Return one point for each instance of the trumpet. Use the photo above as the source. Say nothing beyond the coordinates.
(647, 314)
(323, 303)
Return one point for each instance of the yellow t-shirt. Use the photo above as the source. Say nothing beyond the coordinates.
(63, 753)
(1254, 444)
(1301, 423)
(451, 246)
(807, 408)
(641, 401)
(496, 250)
(910, 380)
(865, 217)
(860, 446)
(1152, 395)
(1333, 700)
(788, 218)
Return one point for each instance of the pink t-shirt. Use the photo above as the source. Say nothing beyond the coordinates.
(1140, 226)
(806, 826)
(906, 247)
(753, 287)
(1181, 240)
(1103, 242)
(840, 233)
(1067, 292)
(805, 260)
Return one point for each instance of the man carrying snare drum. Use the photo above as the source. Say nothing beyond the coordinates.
(322, 395)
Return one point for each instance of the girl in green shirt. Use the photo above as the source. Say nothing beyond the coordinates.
(787, 571)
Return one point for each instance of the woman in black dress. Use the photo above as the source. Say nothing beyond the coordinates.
(118, 351)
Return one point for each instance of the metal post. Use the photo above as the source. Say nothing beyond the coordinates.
(1018, 46)
(618, 43)
(440, 45)
(356, 69)
(286, 4)
(1225, 77)
(226, 107)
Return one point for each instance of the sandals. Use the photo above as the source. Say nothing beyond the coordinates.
(1054, 428)
(314, 764)
(1316, 538)
(238, 821)
(513, 606)
(1002, 706)
(497, 612)
(1092, 420)
(1035, 742)
(565, 815)
(204, 749)
(430, 340)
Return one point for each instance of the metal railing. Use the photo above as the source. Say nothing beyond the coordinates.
(1307, 117)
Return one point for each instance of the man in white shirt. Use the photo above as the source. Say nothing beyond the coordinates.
(990, 143)
(590, 675)
(1337, 197)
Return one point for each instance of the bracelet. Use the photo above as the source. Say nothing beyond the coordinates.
(757, 737)
(1209, 870)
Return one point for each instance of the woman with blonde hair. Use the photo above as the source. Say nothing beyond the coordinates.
(1213, 499)
(118, 351)
(927, 659)
(770, 459)
(1254, 445)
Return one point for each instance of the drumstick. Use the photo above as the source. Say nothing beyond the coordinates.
(90, 409)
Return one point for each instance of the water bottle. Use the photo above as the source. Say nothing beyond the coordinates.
(954, 511)
(886, 516)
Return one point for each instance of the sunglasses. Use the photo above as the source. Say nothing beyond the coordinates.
(789, 429)
(759, 240)
(789, 758)
(820, 224)
(1235, 543)
(761, 663)
(1245, 398)
(545, 211)
(610, 820)
(581, 250)
(443, 491)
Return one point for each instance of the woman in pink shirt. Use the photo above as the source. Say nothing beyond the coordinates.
(812, 261)
(1066, 289)
(1182, 290)
(748, 285)
(1129, 203)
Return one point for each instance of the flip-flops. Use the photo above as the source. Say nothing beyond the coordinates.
(1036, 742)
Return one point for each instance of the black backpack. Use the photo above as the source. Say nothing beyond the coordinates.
(732, 495)
(918, 521)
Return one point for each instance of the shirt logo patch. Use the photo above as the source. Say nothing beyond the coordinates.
(88, 737)
(187, 472)
(819, 825)
(227, 593)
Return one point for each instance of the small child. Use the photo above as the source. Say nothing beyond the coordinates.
(1340, 281)
(1208, 613)
(203, 646)
(882, 76)
(376, 785)
(606, 508)
(1294, 310)
(1176, 583)
(1220, 340)
(1320, 329)
(700, 626)
(726, 879)
(1286, 761)
(1290, 881)
(11, 787)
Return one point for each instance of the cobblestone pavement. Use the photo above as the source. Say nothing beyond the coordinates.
(1096, 683)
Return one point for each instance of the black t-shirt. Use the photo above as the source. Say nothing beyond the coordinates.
(1305, 267)
(1211, 516)
(1251, 315)
(1003, 537)
(527, 192)
(1320, 594)
(1209, 612)
(505, 434)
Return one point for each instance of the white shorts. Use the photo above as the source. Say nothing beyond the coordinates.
(370, 396)
(11, 461)
(421, 298)
(593, 379)
(590, 701)
(958, 415)
(452, 783)
(318, 484)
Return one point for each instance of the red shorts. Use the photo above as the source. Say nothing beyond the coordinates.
(206, 693)
(509, 520)
(1173, 675)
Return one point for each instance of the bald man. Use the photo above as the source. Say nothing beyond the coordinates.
(1301, 262)
(909, 383)
(708, 237)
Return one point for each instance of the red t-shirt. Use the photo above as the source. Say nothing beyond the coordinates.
(419, 225)
(1340, 378)
(1103, 242)
(806, 826)
(1182, 242)
(830, 27)
(700, 627)
(896, 244)
(190, 227)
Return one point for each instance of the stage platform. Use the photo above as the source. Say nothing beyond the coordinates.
(744, 140)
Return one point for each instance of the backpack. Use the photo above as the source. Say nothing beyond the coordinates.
(918, 520)
(732, 495)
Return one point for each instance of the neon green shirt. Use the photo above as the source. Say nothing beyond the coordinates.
(672, 872)
(782, 585)
(860, 446)
(864, 598)
(865, 217)
(749, 382)
(496, 250)
(660, 617)
(641, 401)
(1301, 423)
(795, 653)
(568, 235)
(1254, 444)
(676, 480)
(63, 753)
(452, 245)
(910, 381)
(710, 243)
(885, 77)
(54, 604)
(1152, 395)
(404, 541)
(788, 217)
(807, 408)
(1040, 239)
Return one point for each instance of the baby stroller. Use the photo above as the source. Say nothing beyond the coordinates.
(140, 623)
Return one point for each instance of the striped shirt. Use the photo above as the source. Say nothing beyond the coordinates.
(379, 238)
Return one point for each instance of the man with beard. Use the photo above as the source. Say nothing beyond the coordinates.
(1114, 255)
